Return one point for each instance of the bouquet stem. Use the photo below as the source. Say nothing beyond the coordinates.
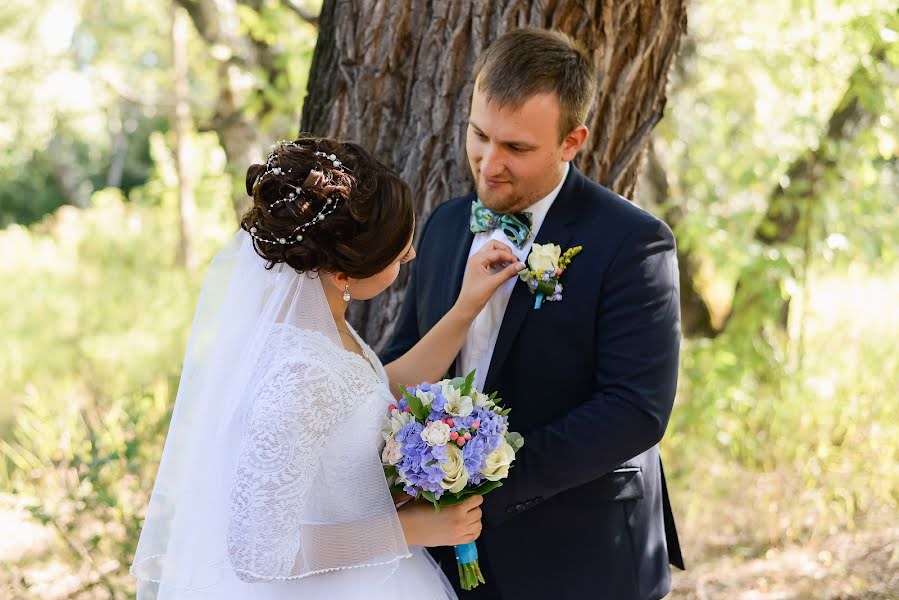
(469, 570)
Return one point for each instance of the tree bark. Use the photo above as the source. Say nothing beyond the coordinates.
(396, 77)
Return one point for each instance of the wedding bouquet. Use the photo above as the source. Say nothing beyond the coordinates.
(445, 441)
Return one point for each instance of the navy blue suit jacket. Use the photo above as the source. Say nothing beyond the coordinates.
(590, 381)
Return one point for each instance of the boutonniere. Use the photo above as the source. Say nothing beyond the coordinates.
(546, 264)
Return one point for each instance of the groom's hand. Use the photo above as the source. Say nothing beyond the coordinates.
(452, 526)
(486, 270)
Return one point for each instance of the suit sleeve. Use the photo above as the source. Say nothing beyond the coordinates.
(637, 342)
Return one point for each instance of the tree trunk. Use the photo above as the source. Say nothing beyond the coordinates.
(181, 127)
(653, 194)
(396, 77)
(794, 199)
(218, 24)
(75, 186)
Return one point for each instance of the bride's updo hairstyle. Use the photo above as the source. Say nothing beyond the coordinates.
(325, 205)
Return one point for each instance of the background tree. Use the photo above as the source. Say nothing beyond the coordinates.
(396, 77)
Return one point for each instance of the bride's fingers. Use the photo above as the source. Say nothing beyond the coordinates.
(493, 246)
(496, 256)
(508, 272)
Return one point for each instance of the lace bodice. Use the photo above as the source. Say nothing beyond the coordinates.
(309, 491)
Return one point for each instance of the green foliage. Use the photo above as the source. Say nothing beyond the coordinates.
(97, 312)
(751, 95)
(822, 418)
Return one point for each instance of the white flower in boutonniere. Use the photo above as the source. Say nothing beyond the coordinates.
(544, 257)
(547, 262)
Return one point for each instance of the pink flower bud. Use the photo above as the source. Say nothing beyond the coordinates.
(558, 272)
(454, 435)
(467, 435)
(450, 422)
(460, 440)
(476, 425)
(391, 407)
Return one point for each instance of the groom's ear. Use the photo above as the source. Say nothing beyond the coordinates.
(573, 142)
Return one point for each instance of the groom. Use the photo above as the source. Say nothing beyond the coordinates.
(590, 377)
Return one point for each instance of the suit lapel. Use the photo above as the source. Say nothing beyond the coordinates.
(458, 245)
(556, 229)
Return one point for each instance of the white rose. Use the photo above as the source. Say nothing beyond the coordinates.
(455, 476)
(496, 465)
(437, 433)
(398, 420)
(544, 257)
(393, 452)
(426, 397)
(482, 400)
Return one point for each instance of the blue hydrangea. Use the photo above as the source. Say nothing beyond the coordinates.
(420, 465)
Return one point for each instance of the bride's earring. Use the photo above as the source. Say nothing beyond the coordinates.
(346, 293)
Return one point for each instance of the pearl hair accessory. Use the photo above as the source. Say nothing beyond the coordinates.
(329, 207)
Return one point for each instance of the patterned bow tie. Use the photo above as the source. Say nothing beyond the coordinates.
(517, 227)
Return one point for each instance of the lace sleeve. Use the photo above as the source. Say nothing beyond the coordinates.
(285, 432)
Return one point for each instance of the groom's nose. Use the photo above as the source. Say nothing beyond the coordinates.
(491, 161)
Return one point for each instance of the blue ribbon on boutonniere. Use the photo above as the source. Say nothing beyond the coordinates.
(546, 263)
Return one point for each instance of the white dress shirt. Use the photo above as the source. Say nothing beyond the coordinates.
(481, 338)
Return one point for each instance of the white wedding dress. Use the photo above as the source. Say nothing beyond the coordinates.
(271, 485)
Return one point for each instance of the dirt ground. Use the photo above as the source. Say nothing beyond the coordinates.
(846, 566)
(856, 566)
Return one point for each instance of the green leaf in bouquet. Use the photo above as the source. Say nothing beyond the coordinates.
(467, 384)
(390, 471)
(419, 411)
(505, 412)
(457, 382)
(429, 496)
(487, 486)
(450, 499)
(516, 440)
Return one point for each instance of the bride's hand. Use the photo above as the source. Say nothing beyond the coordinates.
(452, 526)
(486, 270)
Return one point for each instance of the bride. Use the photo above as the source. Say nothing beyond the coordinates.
(270, 484)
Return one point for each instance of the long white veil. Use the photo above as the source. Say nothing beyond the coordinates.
(236, 504)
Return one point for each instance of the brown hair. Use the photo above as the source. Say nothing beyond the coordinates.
(372, 219)
(531, 61)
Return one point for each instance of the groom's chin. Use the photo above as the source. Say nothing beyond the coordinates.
(496, 199)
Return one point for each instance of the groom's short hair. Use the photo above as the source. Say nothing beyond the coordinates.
(526, 62)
